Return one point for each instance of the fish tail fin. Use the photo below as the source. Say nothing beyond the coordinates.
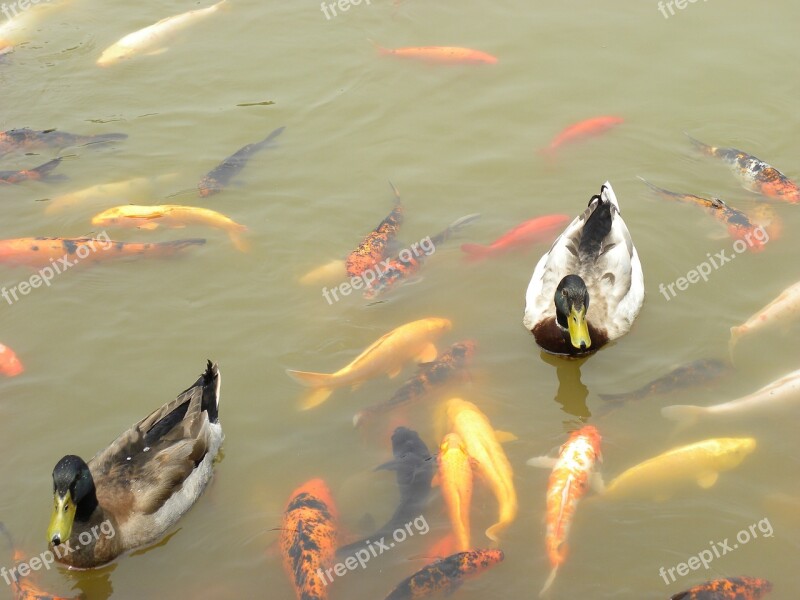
(178, 245)
(310, 379)
(110, 137)
(271, 137)
(381, 50)
(315, 398)
(704, 148)
(396, 193)
(684, 414)
(48, 167)
(655, 188)
(239, 241)
(550, 579)
(454, 227)
(475, 252)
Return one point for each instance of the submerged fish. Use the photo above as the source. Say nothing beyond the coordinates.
(308, 539)
(583, 129)
(220, 176)
(445, 576)
(662, 476)
(414, 467)
(753, 173)
(103, 193)
(448, 367)
(775, 396)
(375, 247)
(16, 27)
(455, 479)
(153, 39)
(334, 270)
(730, 588)
(40, 172)
(453, 55)
(170, 215)
(781, 311)
(385, 356)
(29, 139)
(10, 364)
(532, 231)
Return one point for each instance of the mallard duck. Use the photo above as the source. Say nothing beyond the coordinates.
(132, 492)
(587, 290)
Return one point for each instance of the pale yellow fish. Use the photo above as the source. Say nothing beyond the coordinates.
(17, 24)
(387, 355)
(330, 272)
(101, 194)
(170, 215)
(455, 479)
(662, 477)
(483, 446)
(781, 310)
(153, 39)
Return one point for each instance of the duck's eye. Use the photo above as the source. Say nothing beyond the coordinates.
(564, 293)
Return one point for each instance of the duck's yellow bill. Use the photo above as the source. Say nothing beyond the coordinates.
(62, 520)
(578, 329)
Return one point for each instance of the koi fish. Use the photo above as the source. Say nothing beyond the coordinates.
(41, 251)
(375, 247)
(569, 480)
(753, 173)
(170, 215)
(482, 445)
(334, 270)
(220, 176)
(388, 354)
(414, 468)
(455, 478)
(659, 477)
(448, 367)
(10, 364)
(730, 588)
(445, 576)
(583, 129)
(407, 263)
(101, 194)
(40, 172)
(774, 396)
(533, 231)
(782, 309)
(151, 40)
(308, 539)
(29, 139)
(740, 227)
(450, 55)
(15, 28)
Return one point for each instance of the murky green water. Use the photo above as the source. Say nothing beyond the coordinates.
(105, 345)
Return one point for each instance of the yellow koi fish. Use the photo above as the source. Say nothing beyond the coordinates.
(100, 194)
(387, 355)
(334, 270)
(455, 478)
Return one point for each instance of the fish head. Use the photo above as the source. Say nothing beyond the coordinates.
(439, 325)
(452, 441)
(572, 304)
(464, 351)
(114, 54)
(315, 489)
(592, 435)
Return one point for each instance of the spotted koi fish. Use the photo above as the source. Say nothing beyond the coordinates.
(220, 176)
(753, 173)
(568, 483)
(740, 227)
(431, 375)
(408, 263)
(40, 172)
(445, 576)
(308, 539)
(375, 247)
(26, 139)
(730, 588)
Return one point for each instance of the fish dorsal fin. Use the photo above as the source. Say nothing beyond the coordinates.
(428, 354)
(542, 462)
(707, 480)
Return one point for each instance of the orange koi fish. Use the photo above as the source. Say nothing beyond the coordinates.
(455, 478)
(753, 173)
(445, 576)
(533, 231)
(730, 588)
(10, 364)
(40, 172)
(375, 246)
(583, 129)
(450, 55)
(740, 227)
(308, 539)
(28, 139)
(568, 483)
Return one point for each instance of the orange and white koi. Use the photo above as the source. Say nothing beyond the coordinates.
(455, 478)
(375, 247)
(10, 364)
(451, 55)
(40, 172)
(583, 129)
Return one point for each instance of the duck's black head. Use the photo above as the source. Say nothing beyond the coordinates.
(572, 303)
(73, 496)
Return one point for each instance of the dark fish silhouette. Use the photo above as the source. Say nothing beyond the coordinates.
(40, 172)
(731, 588)
(29, 139)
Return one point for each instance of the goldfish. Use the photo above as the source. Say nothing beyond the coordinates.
(388, 354)
(482, 444)
(308, 539)
(407, 263)
(10, 364)
(569, 480)
(781, 310)
(445, 576)
(375, 247)
(29, 139)
(151, 40)
(102, 193)
(661, 476)
(331, 271)
(532, 231)
(449, 366)
(583, 129)
(40, 172)
(41, 251)
(753, 173)
(216, 180)
(450, 55)
(777, 395)
(740, 227)
(170, 215)
(730, 588)
(455, 479)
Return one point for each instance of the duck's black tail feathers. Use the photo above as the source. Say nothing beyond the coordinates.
(597, 227)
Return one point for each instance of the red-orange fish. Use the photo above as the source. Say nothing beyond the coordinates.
(40, 172)
(451, 55)
(583, 129)
(308, 540)
(532, 231)
(730, 588)
(376, 246)
(10, 365)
